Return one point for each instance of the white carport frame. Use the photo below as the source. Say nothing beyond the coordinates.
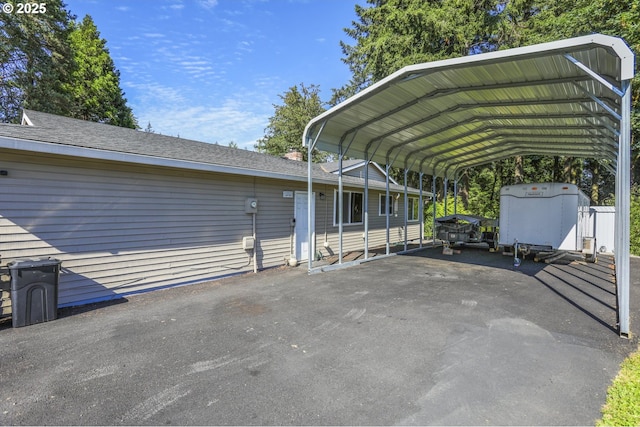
(570, 97)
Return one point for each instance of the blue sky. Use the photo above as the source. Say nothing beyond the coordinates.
(211, 70)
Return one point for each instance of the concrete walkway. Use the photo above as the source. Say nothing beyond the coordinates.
(414, 340)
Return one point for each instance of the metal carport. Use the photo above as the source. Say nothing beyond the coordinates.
(570, 97)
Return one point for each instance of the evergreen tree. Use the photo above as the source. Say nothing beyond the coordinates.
(35, 61)
(390, 34)
(95, 85)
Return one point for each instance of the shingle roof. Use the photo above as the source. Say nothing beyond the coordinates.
(64, 131)
(348, 165)
(333, 167)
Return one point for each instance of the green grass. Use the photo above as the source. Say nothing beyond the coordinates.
(622, 407)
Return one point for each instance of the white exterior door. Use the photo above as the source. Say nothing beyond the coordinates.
(302, 245)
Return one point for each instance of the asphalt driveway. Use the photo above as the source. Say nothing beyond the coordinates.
(413, 339)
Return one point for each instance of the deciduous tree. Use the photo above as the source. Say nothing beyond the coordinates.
(286, 126)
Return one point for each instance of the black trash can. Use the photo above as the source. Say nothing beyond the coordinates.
(34, 290)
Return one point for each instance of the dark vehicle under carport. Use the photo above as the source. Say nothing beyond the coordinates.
(461, 229)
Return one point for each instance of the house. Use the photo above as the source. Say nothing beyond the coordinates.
(356, 168)
(128, 211)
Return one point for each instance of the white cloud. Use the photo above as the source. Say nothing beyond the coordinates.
(208, 4)
(157, 94)
(221, 124)
(241, 118)
(244, 47)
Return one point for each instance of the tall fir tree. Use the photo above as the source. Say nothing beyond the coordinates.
(389, 34)
(35, 61)
(95, 81)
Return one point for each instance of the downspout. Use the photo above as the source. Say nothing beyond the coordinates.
(310, 215)
(255, 246)
(255, 237)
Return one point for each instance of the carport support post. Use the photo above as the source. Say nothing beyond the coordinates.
(366, 205)
(623, 201)
(406, 207)
(433, 223)
(387, 203)
(421, 210)
(455, 194)
(340, 204)
(445, 185)
(310, 215)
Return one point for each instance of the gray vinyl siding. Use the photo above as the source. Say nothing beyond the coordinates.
(273, 221)
(124, 228)
(374, 173)
(118, 230)
(353, 234)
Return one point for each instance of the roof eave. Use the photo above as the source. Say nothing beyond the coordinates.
(106, 155)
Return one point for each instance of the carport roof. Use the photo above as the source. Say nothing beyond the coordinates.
(559, 98)
(570, 97)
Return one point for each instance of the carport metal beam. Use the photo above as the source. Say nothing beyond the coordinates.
(623, 211)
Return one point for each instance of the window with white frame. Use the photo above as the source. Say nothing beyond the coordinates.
(383, 205)
(413, 213)
(352, 208)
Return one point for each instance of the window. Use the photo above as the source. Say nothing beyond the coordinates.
(351, 208)
(383, 204)
(413, 213)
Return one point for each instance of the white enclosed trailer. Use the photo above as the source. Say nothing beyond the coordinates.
(544, 216)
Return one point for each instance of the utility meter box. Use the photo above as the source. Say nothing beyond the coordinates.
(251, 206)
(248, 243)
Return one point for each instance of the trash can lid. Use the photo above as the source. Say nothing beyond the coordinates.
(33, 263)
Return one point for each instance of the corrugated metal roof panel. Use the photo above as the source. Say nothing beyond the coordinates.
(436, 117)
